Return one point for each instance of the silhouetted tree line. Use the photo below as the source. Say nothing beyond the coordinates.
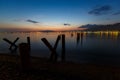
(95, 27)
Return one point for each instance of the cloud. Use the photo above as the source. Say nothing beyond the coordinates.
(102, 10)
(117, 13)
(32, 21)
(66, 24)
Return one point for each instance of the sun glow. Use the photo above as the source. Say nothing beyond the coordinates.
(36, 27)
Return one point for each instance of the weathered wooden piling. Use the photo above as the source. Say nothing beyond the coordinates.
(24, 56)
(78, 38)
(63, 48)
(81, 38)
(71, 34)
(28, 41)
(12, 44)
(50, 48)
(81, 35)
(53, 56)
(56, 43)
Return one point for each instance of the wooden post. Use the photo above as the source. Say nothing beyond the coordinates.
(12, 44)
(81, 38)
(58, 38)
(71, 34)
(63, 48)
(47, 44)
(24, 56)
(50, 48)
(28, 41)
(78, 38)
(53, 56)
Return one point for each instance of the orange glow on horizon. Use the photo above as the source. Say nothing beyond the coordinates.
(14, 27)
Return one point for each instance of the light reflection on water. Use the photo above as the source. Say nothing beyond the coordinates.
(97, 47)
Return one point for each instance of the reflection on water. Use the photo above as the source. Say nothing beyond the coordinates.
(80, 38)
(88, 46)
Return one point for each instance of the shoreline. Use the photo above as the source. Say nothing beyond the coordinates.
(91, 71)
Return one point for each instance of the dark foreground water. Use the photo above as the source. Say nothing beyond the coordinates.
(82, 47)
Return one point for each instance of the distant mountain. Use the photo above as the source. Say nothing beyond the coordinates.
(95, 27)
(47, 31)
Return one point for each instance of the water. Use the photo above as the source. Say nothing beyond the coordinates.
(81, 47)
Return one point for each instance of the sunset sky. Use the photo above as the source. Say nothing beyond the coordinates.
(25, 15)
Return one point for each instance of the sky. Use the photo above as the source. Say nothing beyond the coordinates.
(56, 14)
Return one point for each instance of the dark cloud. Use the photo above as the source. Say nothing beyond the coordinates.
(32, 21)
(117, 13)
(66, 24)
(102, 10)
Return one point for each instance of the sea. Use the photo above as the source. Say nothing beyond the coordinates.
(95, 47)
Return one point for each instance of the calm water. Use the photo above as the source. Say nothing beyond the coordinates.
(85, 47)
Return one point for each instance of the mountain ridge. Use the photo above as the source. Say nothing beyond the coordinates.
(95, 27)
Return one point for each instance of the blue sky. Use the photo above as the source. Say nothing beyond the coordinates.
(53, 14)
